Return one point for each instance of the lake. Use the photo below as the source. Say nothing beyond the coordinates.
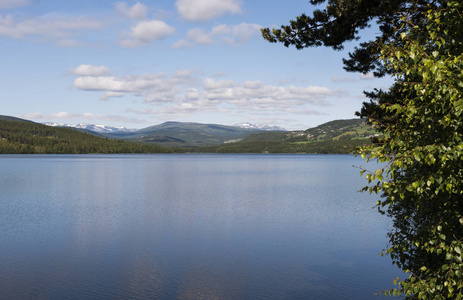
(192, 226)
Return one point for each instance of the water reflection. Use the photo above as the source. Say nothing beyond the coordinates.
(188, 227)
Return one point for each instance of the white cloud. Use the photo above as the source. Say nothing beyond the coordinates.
(205, 10)
(101, 83)
(220, 30)
(90, 70)
(182, 44)
(58, 29)
(4, 4)
(137, 11)
(154, 88)
(192, 94)
(182, 93)
(198, 36)
(244, 31)
(109, 95)
(260, 94)
(231, 35)
(146, 32)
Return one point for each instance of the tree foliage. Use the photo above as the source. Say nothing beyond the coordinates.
(341, 20)
(317, 147)
(18, 137)
(421, 121)
(422, 185)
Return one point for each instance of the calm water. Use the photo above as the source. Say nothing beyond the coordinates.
(189, 227)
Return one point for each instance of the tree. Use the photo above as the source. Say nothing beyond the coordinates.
(341, 21)
(422, 185)
(421, 120)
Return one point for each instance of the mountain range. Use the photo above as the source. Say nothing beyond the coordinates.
(92, 127)
(186, 134)
(332, 137)
(260, 127)
(19, 136)
(118, 129)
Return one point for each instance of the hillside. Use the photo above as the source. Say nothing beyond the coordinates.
(338, 136)
(18, 136)
(23, 136)
(180, 134)
(9, 118)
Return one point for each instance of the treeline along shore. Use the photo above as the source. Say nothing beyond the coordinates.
(18, 136)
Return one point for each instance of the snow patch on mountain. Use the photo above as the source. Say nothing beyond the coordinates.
(264, 127)
(93, 127)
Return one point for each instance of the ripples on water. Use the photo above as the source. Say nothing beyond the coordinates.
(189, 227)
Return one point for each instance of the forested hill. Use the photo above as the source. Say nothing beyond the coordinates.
(23, 136)
(339, 136)
(9, 118)
(18, 136)
(185, 134)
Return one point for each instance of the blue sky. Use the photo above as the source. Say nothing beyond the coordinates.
(141, 63)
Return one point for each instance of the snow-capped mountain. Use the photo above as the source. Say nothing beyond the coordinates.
(93, 127)
(112, 129)
(259, 127)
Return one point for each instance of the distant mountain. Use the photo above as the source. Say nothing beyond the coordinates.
(337, 136)
(92, 127)
(264, 127)
(186, 134)
(24, 136)
(334, 130)
(341, 130)
(172, 134)
(9, 118)
(18, 136)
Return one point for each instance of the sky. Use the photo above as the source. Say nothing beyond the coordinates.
(142, 63)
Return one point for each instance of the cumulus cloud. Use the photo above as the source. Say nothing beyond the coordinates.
(4, 4)
(90, 70)
(192, 94)
(146, 32)
(182, 93)
(153, 88)
(243, 32)
(109, 95)
(231, 35)
(259, 95)
(60, 29)
(198, 36)
(205, 10)
(137, 11)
